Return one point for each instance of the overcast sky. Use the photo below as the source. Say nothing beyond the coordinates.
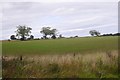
(69, 18)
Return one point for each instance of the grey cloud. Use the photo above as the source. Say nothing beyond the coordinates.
(63, 16)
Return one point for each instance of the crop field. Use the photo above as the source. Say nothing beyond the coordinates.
(85, 57)
(60, 46)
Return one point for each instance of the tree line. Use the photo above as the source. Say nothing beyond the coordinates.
(97, 33)
(23, 33)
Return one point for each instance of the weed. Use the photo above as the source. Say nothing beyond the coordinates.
(63, 66)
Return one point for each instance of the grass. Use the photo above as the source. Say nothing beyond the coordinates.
(88, 57)
(60, 46)
(96, 65)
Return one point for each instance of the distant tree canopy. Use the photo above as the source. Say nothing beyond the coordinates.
(48, 31)
(115, 34)
(23, 31)
(53, 37)
(31, 37)
(60, 36)
(94, 33)
(12, 37)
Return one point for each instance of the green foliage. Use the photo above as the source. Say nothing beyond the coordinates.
(23, 31)
(94, 33)
(48, 31)
(12, 37)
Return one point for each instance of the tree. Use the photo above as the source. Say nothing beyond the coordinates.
(94, 33)
(31, 37)
(60, 36)
(23, 31)
(48, 31)
(53, 32)
(75, 36)
(53, 37)
(12, 37)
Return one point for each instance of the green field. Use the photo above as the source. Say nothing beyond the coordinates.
(60, 46)
(102, 63)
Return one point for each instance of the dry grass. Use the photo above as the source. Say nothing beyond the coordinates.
(69, 58)
(94, 65)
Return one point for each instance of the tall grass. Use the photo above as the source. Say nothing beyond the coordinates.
(96, 65)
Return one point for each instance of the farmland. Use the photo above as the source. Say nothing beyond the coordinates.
(60, 46)
(85, 57)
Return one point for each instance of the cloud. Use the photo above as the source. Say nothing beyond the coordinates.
(63, 11)
(68, 18)
(86, 19)
(54, 1)
(89, 28)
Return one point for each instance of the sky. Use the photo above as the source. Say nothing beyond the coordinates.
(69, 18)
